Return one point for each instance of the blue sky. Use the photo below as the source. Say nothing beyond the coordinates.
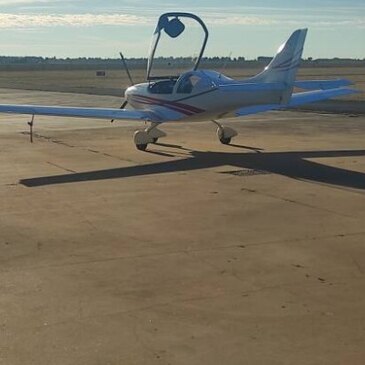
(102, 28)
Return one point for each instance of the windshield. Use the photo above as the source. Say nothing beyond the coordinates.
(193, 82)
(178, 45)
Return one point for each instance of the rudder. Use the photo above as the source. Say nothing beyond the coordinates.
(284, 66)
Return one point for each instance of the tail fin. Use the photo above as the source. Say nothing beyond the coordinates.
(284, 66)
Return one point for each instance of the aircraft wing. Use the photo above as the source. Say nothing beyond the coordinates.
(99, 113)
(296, 100)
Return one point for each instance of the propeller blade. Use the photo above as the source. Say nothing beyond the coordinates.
(121, 107)
(126, 68)
(130, 80)
(124, 104)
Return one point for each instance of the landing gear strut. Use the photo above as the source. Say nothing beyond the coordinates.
(224, 134)
(149, 135)
(31, 124)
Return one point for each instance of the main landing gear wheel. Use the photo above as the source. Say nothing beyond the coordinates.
(141, 140)
(149, 135)
(224, 134)
(141, 147)
(225, 140)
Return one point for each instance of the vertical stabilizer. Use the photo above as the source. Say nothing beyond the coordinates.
(284, 66)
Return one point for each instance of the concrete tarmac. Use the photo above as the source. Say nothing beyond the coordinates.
(189, 253)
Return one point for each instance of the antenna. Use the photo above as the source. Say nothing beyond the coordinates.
(225, 64)
(126, 68)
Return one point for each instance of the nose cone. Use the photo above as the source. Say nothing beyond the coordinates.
(129, 92)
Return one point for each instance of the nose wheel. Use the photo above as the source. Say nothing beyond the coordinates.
(224, 134)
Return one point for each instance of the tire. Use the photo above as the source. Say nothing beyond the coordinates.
(141, 147)
(225, 140)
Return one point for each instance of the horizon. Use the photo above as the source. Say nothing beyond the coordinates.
(229, 58)
(96, 28)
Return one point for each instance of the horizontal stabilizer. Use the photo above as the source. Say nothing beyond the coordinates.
(318, 95)
(296, 100)
(322, 84)
(61, 111)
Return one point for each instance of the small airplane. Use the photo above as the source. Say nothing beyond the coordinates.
(202, 95)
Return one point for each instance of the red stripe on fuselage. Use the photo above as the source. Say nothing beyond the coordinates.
(175, 104)
(149, 102)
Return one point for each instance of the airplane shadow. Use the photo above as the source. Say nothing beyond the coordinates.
(294, 164)
(255, 149)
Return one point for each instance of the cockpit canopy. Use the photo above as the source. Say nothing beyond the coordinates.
(183, 34)
(192, 82)
(162, 87)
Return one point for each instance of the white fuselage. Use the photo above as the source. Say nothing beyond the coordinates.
(201, 98)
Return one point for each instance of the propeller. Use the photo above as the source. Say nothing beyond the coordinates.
(131, 83)
(126, 69)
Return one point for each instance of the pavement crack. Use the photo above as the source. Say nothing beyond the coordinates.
(217, 268)
(109, 155)
(62, 143)
(292, 201)
(186, 252)
(61, 167)
(361, 271)
(49, 139)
